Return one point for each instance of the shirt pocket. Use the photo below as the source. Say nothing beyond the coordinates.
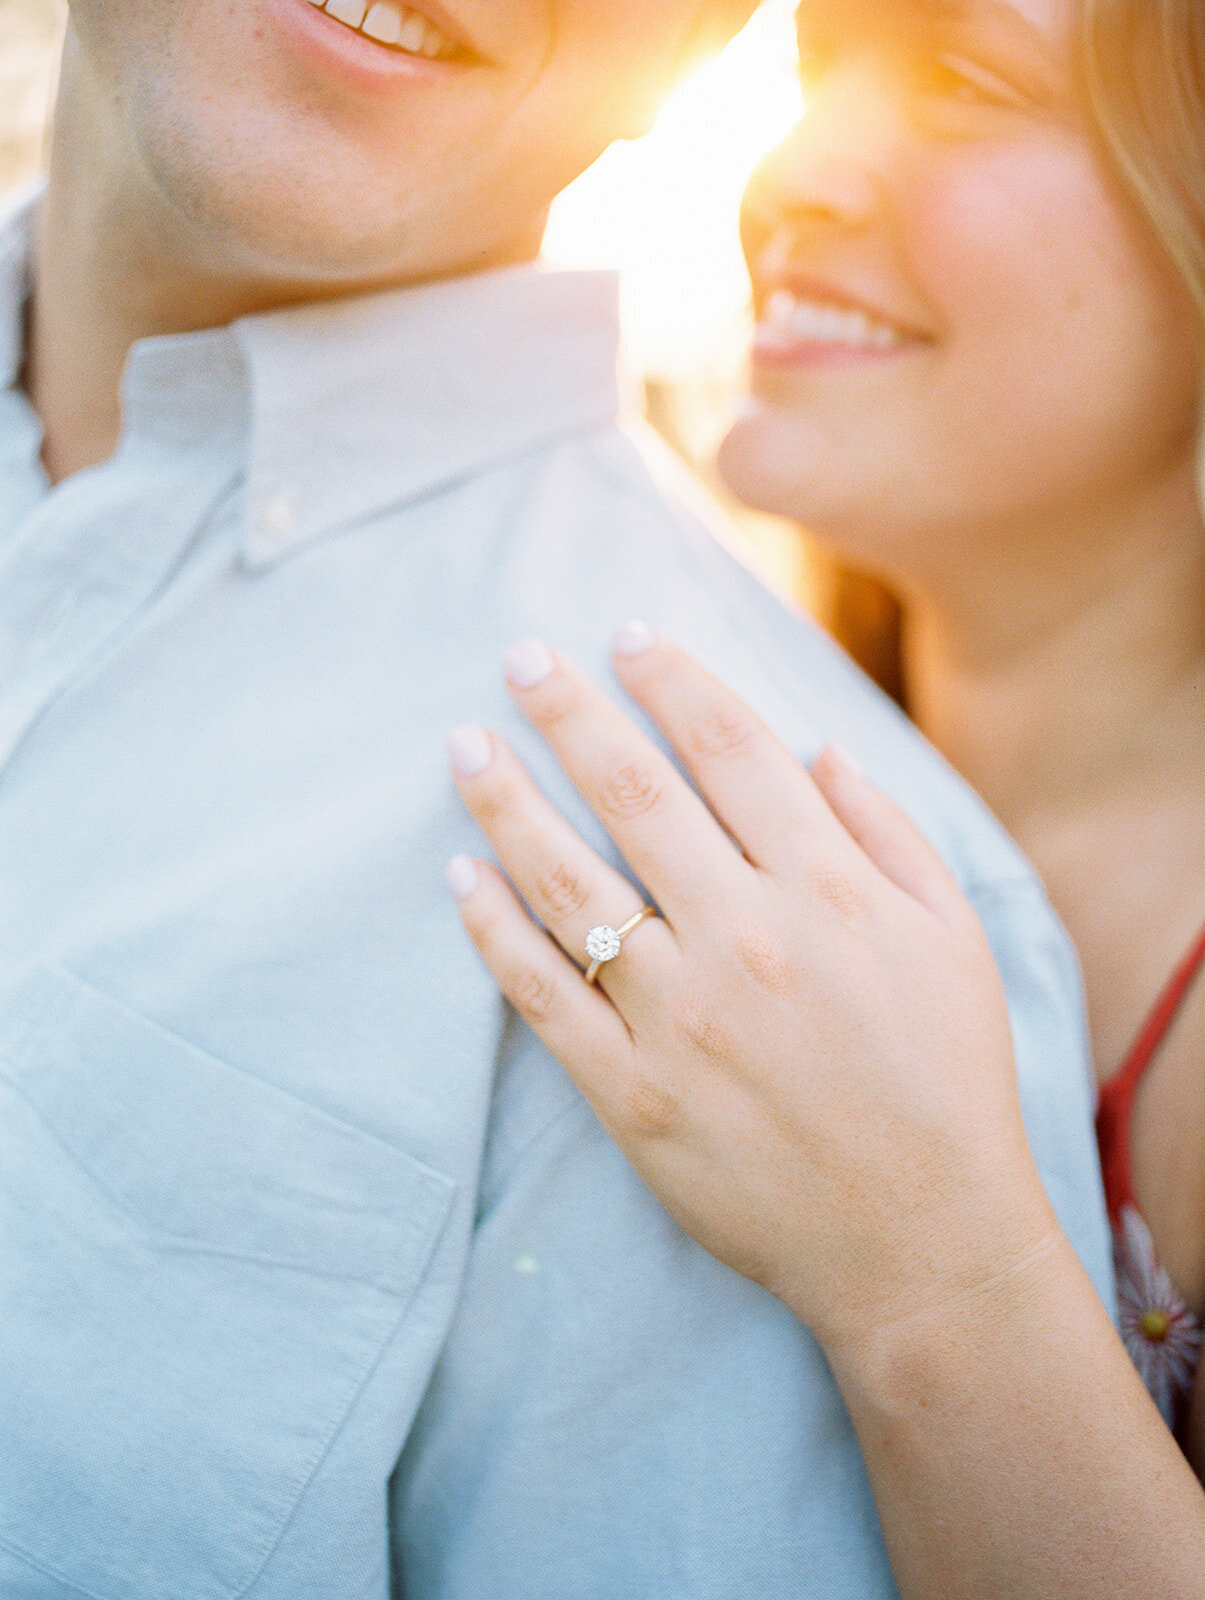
(197, 1274)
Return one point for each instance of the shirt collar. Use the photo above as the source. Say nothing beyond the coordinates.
(16, 227)
(367, 404)
(356, 406)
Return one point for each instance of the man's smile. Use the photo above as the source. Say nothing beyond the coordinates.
(396, 26)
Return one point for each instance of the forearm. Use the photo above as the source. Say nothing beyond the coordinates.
(1014, 1453)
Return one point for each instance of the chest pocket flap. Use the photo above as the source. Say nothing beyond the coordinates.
(197, 1273)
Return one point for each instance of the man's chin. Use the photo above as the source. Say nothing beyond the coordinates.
(295, 237)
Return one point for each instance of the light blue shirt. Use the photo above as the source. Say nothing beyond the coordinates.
(317, 1277)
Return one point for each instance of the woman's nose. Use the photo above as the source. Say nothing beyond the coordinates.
(830, 171)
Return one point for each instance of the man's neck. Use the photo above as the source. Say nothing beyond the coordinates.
(104, 276)
(100, 282)
(78, 336)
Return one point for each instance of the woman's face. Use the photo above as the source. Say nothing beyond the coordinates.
(962, 323)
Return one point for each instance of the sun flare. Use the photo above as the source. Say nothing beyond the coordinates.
(663, 209)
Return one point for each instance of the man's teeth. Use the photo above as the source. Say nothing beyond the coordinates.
(813, 322)
(392, 25)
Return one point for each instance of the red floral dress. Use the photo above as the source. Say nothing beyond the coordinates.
(1160, 1331)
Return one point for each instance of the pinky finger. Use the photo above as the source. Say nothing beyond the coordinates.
(576, 1021)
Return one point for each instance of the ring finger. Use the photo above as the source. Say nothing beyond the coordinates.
(569, 887)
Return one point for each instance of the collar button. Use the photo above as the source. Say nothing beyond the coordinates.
(276, 520)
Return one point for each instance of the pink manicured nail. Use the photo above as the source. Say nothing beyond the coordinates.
(632, 638)
(462, 876)
(469, 749)
(527, 663)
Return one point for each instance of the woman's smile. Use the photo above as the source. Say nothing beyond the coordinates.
(940, 359)
(798, 327)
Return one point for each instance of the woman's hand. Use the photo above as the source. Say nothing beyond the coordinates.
(807, 1054)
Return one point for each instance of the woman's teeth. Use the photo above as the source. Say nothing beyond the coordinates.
(392, 25)
(812, 322)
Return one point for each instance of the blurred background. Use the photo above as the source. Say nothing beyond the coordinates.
(29, 38)
(662, 209)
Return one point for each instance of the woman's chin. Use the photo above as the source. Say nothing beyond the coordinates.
(871, 503)
(772, 469)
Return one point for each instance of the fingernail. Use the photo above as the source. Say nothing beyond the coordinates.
(527, 663)
(847, 759)
(462, 876)
(632, 638)
(469, 749)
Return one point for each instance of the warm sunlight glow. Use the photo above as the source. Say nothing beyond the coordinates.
(664, 209)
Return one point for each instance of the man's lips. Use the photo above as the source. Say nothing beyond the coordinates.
(397, 27)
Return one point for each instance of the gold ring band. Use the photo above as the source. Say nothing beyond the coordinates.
(603, 942)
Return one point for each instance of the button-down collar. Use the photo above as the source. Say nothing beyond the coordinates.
(410, 390)
(415, 389)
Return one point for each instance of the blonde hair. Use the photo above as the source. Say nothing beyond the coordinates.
(1144, 64)
(1144, 69)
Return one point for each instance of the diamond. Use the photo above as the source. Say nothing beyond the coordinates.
(602, 943)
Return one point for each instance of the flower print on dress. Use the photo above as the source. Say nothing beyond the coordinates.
(1160, 1332)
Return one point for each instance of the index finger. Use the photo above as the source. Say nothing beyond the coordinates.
(662, 828)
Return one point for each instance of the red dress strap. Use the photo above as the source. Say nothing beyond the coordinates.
(1117, 1095)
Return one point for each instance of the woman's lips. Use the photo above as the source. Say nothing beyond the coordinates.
(794, 324)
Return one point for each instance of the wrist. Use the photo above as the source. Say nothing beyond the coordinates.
(933, 1294)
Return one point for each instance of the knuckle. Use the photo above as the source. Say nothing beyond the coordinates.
(836, 890)
(533, 994)
(649, 1108)
(698, 1023)
(563, 891)
(632, 791)
(760, 957)
(723, 730)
